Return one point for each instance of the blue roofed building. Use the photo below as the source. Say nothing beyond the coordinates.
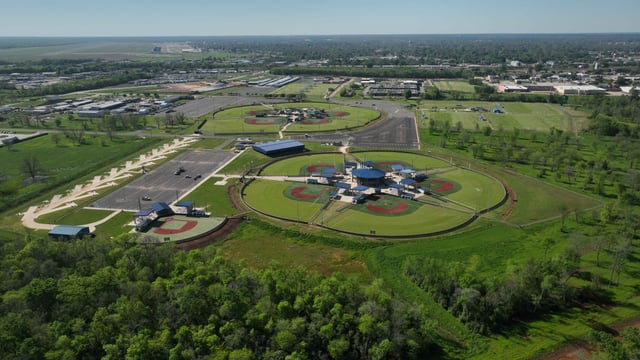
(281, 147)
(69, 232)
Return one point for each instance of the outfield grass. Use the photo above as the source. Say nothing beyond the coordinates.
(452, 85)
(478, 191)
(425, 219)
(415, 161)
(268, 196)
(235, 120)
(296, 166)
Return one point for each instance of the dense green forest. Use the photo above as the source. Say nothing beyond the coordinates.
(109, 299)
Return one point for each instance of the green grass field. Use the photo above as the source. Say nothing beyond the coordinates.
(539, 201)
(423, 217)
(239, 120)
(213, 197)
(478, 191)
(295, 166)
(524, 116)
(452, 85)
(415, 161)
(261, 247)
(73, 216)
(296, 87)
(63, 164)
(319, 91)
(268, 196)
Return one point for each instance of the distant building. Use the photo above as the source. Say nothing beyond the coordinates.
(512, 88)
(579, 90)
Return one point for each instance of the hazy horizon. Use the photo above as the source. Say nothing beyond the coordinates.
(198, 18)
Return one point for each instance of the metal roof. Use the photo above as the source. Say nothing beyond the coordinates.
(68, 230)
(342, 185)
(407, 181)
(185, 203)
(361, 188)
(365, 173)
(144, 212)
(278, 146)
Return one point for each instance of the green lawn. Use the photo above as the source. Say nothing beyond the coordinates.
(478, 191)
(297, 166)
(452, 85)
(244, 119)
(62, 164)
(416, 161)
(537, 200)
(425, 219)
(319, 91)
(268, 196)
(295, 87)
(524, 116)
(213, 197)
(73, 216)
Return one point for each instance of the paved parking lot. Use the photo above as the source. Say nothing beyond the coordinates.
(397, 131)
(161, 184)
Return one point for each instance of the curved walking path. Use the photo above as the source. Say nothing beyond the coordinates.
(60, 202)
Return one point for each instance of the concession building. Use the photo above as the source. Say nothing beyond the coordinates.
(275, 148)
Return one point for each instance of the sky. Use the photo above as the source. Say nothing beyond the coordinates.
(319, 17)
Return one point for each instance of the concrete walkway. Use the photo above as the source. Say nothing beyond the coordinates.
(60, 202)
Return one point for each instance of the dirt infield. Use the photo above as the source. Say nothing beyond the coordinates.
(385, 205)
(171, 226)
(318, 167)
(444, 186)
(219, 234)
(301, 192)
(252, 121)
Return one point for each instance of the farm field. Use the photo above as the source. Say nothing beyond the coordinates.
(524, 116)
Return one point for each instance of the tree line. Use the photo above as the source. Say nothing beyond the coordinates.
(102, 298)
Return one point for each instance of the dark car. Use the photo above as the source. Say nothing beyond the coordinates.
(146, 198)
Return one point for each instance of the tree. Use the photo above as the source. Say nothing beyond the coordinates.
(31, 167)
(55, 137)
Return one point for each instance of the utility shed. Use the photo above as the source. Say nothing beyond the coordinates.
(69, 232)
(274, 148)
